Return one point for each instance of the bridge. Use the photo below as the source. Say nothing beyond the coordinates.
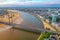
(23, 27)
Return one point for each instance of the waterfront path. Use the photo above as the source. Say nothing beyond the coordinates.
(46, 25)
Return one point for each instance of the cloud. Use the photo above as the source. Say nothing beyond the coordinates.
(29, 2)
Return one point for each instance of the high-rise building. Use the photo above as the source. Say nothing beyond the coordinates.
(54, 18)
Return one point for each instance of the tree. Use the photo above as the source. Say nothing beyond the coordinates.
(44, 35)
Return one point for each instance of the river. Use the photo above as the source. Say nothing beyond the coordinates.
(15, 34)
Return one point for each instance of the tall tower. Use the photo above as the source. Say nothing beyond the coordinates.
(54, 18)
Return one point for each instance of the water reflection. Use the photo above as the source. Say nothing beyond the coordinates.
(30, 21)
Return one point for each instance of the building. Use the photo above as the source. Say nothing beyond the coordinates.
(54, 18)
(53, 37)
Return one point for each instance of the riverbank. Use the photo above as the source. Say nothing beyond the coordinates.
(46, 25)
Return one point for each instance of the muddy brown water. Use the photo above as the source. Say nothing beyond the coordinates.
(17, 35)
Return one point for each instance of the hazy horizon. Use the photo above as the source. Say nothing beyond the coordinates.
(29, 3)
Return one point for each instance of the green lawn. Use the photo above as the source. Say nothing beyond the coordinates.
(44, 36)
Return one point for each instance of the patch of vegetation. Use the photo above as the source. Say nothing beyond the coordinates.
(58, 19)
(50, 18)
(44, 35)
(48, 28)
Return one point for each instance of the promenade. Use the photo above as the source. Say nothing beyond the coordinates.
(46, 25)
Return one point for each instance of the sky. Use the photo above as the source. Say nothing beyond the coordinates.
(28, 2)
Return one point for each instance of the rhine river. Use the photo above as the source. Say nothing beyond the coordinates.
(29, 21)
